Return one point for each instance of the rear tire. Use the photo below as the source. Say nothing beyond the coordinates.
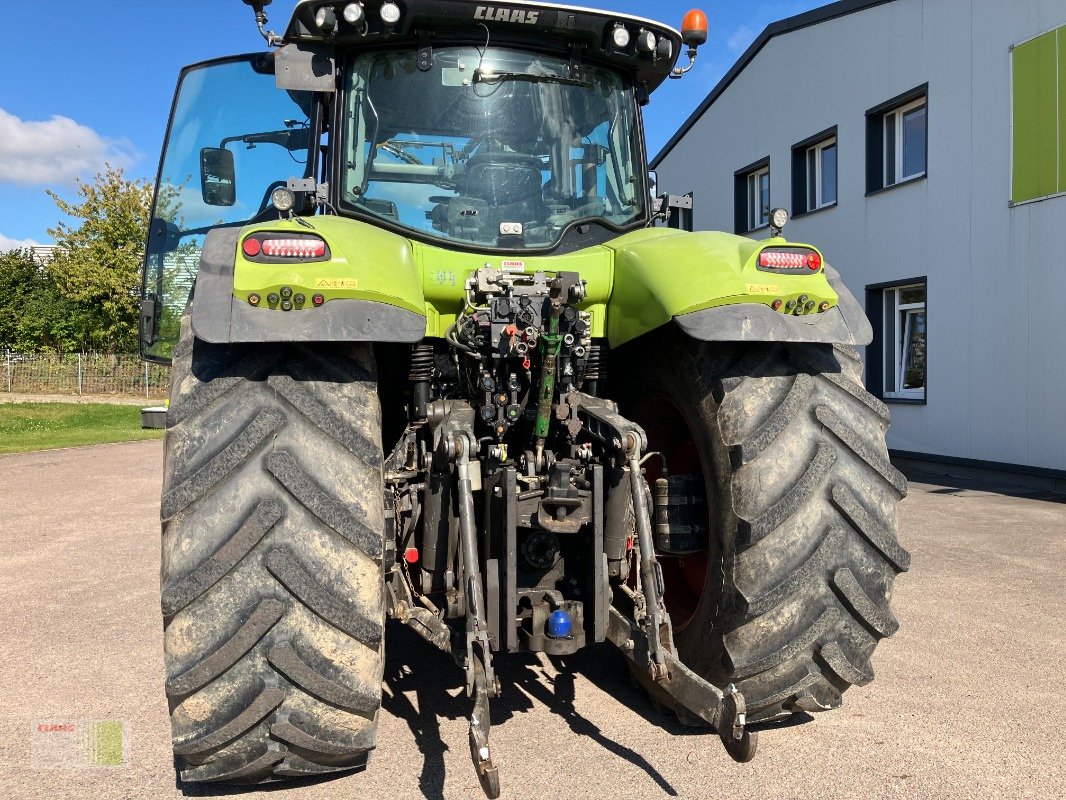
(802, 550)
(273, 538)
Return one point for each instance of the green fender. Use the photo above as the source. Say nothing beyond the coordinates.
(371, 284)
(709, 283)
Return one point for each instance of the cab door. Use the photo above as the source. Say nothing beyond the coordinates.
(233, 137)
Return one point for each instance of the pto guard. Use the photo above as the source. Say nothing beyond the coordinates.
(219, 317)
(749, 322)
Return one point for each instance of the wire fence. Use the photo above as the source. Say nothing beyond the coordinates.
(82, 374)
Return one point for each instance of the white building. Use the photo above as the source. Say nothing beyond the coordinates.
(43, 254)
(921, 144)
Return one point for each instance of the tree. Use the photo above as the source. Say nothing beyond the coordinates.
(34, 315)
(20, 279)
(97, 263)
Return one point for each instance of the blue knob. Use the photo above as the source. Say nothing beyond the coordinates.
(560, 625)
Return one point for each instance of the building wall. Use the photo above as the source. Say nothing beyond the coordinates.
(996, 381)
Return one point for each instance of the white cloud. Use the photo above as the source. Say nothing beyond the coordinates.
(7, 245)
(742, 37)
(56, 151)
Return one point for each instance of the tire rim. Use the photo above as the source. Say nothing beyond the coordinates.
(669, 433)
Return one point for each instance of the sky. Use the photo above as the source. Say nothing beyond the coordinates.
(84, 84)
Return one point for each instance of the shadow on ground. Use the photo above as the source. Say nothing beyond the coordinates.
(423, 686)
(976, 485)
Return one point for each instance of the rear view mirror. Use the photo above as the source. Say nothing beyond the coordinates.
(218, 179)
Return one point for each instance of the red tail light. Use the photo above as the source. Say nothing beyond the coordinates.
(782, 260)
(294, 248)
(278, 247)
(789, 260)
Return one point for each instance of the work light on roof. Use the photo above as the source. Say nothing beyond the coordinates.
(353, 13)
(390, 13)
(646, 42)
(326, 19)
(620, 36)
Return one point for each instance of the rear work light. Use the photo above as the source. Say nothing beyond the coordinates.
(789, 260)
(276, 248)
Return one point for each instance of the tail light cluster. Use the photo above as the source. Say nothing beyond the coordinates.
(789, 260)
(285, 248)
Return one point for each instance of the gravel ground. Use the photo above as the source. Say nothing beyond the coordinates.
(81, 399)
(968, 701)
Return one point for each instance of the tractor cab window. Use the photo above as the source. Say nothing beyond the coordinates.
(233, 138)
(504, 149)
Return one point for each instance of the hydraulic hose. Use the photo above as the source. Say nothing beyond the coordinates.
(551, 343)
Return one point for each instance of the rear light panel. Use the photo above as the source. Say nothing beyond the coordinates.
(789, 260)
(285, 248)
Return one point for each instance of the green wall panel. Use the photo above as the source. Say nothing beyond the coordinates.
(1062, 108)
(1036, 118)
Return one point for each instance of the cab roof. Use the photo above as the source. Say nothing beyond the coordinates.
(587, 34)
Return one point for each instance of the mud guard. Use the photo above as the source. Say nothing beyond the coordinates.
(846, 323)
(219, 317)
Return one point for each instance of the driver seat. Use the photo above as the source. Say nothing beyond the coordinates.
(504, 179)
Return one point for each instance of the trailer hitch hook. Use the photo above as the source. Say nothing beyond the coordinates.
(488, 773)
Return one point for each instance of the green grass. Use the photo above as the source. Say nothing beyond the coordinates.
(45, 426)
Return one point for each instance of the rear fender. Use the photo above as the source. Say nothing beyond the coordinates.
(845, 323)
(376, 296)
(709, 284)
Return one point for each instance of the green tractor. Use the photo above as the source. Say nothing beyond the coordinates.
(435, 360)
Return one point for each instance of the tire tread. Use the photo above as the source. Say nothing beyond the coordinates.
(253, 632)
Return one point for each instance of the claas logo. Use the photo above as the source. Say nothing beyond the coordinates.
(506, 15)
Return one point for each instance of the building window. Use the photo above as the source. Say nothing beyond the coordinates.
(905, 324)
(897, 140)
(896, 360)
(1038, 117)
(814, 173)
(752, 196)
(822, 175)
(759, 199)
(905, 143)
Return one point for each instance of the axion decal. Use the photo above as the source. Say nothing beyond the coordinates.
(506, 15)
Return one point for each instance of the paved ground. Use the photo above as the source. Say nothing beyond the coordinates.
(969, 700)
